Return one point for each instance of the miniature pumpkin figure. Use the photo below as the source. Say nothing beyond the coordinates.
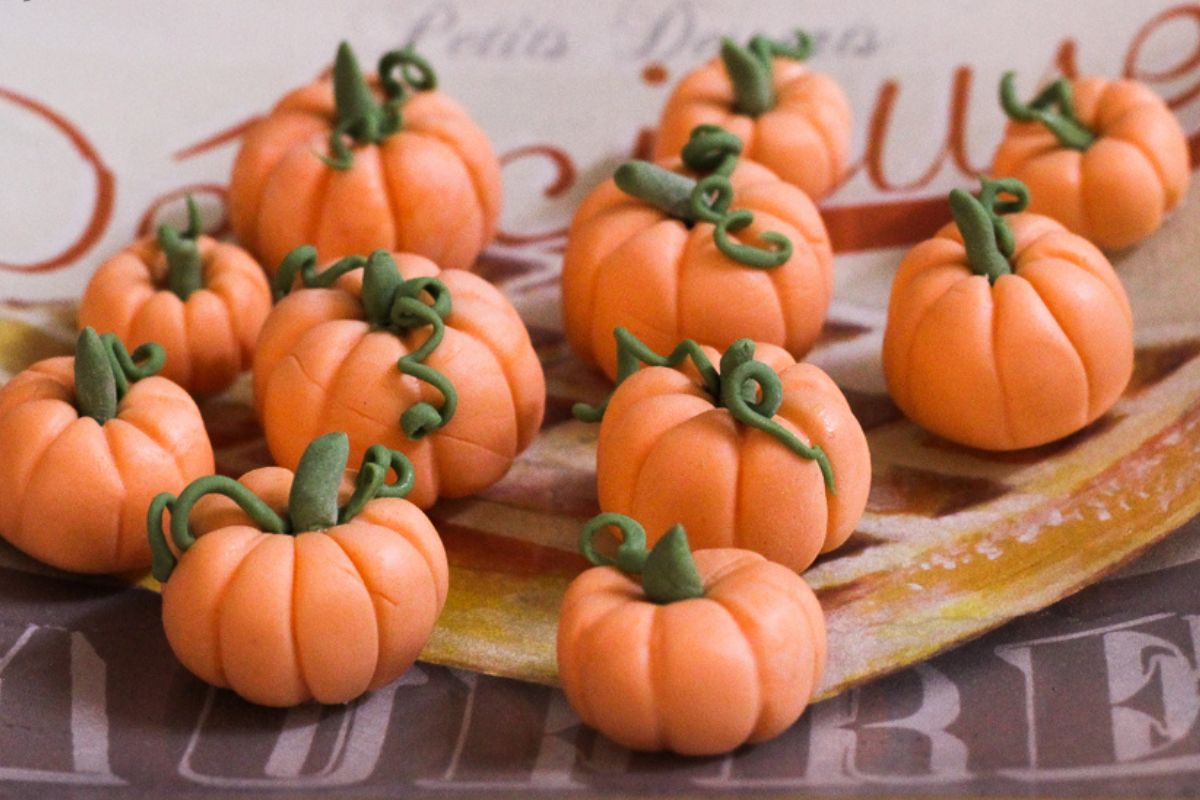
(764, 454)
(204, 301)
(794, 121)
(298, 587)
(696, 653)
(713, 250)
(85, 443)
(350, 165)
(1105, 158)
(1005, 330)
(393, 351)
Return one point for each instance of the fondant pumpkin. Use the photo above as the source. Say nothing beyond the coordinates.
(434, 364)
(300, 587)
(1105, 158)
(711, 249)
(85, 443)
(794, 121)
(204, 301)
(1005, 330)
(693, 653)
(764, 454)
(350, 165)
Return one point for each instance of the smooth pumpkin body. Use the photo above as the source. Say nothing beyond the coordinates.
(76, 491)
(322, 615)
(1118, 191)
(628, 264)
(804, 139)
(321, 368)
(699, 676)
(431, 188)
(666, 454)
(209, 337)
(1027, 360)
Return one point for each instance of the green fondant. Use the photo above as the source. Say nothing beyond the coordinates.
(185, 268)
(751, 69)
(1054, 107)
(104, 370)
(303, 262)
(668, 571)
(313, 500)
(987, 237)
(710, 149)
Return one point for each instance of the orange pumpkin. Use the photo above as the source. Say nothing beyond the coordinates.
(764, 455)
(350, 166)
(85, 443)
(299, 587)
(434, 364)
(1105, 158)
(1005, 330)
(204, 301)
(794, 121)
(670, 257)
(699, 656)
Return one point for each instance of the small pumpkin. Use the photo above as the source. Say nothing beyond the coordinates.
(390, 349)
(204, 301)
(1006, 330)
(711, 248)
(350, 165)
(1105, 158)
(693, 653)
(764, 454)
(794, 121)
(85, 443)
(297, 587)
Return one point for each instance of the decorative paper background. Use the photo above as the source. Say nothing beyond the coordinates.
(110, 111)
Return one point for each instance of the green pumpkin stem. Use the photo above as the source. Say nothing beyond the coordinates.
(668, 571)
(104, 370)
(312, 502)
(749, 389)
(185, 268)
(751, 70)
(1054, 107)
(715, 150)
(986, 235)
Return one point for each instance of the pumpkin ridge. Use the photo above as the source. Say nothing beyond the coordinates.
(34, 470)
(803, 106)
(1005, 399)
(434, 568)
(142, 324)
(219, 607)
(756, 657)
(904, 393)
(110, 432)
(641, 467)
(475, 179)
(1075, 345)
(655, 636)
(389, 196)
(1138, 144)
(291, 595)
(587, 712)
(335, 380)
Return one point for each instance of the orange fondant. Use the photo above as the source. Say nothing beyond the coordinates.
(77, 491)
(321, 615)
(699, 676)
(1118, 191)
(320, 368)
(804, 139)
(1030, 359)
(666, 454)
(209, 338)
(628, 264)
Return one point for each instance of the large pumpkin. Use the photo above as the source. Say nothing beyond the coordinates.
(764, 454)
(1005, 330)
(204, 301)
(693, 653)
(712, 249)
(300, 587)
(434, 364)
(1105, 158)
(350, 166)
(794, 121)
(85, 443)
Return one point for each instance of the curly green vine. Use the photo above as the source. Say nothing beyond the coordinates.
(667, 571)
